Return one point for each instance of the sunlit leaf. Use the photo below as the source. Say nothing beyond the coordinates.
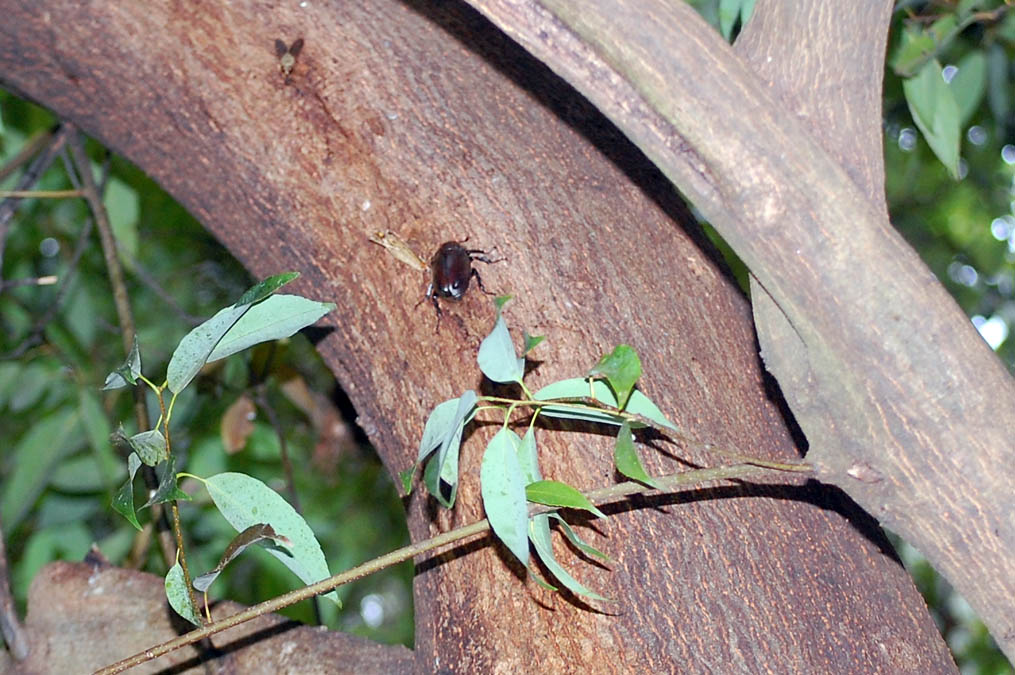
(577, 541)
(625, 457)
(539, 534)
(274, 318)
(555, 493)
(969, 84)
(497, 358)
(621, 368)
(263, 289)
(503, 489)
(447, 430)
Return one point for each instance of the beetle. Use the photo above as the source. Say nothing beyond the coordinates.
(451, 271)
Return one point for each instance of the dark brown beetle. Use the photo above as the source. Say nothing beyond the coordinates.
(451, 270)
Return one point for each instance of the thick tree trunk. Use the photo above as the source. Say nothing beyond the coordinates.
(423, 119)
(898, 395)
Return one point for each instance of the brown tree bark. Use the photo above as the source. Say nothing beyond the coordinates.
(899, 397)
(424, 119)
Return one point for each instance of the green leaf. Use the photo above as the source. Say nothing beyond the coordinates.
(936, 114)
(33, 459)
(123, 501)
(555, 493)
(577, 541)
(539, 534)
(638, 404)
(127, 372)
(969, 84)
(621, 368)
(246, 501)
(178, 595)
(914, 46)
(625, 458)
(531, 341)
(196, 346)
(150, 446)
(729, 12)
(528, 458)
(497, 357)
(503, 488)
(446, 430)
(501, 300)
(167, 490)
(277, 317)
(263, 289)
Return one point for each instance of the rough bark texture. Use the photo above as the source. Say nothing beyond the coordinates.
(424, 119)
(83, 616)
(896, 392)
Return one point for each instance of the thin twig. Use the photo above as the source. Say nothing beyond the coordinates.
(125, 316)
(598, 497)
(32, 174)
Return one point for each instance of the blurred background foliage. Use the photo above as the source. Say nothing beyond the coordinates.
(57, 342)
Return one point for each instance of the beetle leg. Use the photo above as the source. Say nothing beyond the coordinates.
(479, 281)
(437, 306)
(482, 256)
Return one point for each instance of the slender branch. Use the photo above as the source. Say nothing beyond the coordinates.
(125, 316)
(585, 403)
(598, 497)
(39, 194)
(53, 144)
(27, 151)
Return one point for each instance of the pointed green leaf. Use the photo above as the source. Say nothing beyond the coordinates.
(246, 501)
(150, 446)
(621, 368)
(539, 534)
(274, 318)
(179, 597)
(638, 403)
(936, 114)
(528, 458)
(127, 372)
(531, 341)
(625, 457)
(497, 358)
(577, 541)
(503, 488)
(167, 490)
(447, 430)
(263, 289)
(196, 346)
(123, 501)
(555, 493)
